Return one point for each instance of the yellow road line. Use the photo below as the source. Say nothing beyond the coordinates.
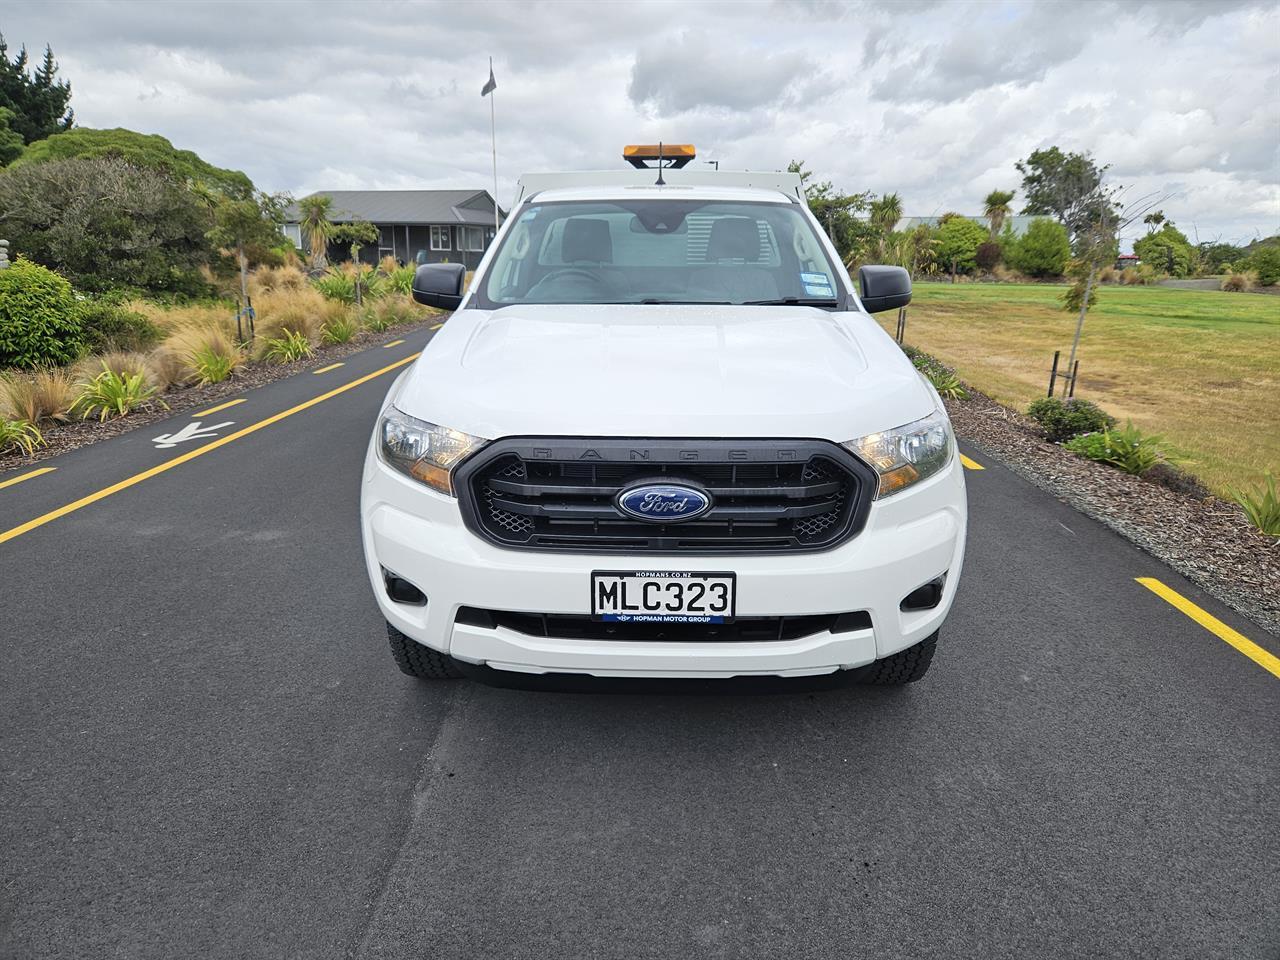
(971, 464)
(332, 366)
(25, 476)
(436, 326)
(137, 478)
(1211, 623)
(393, 343)
(221, 406)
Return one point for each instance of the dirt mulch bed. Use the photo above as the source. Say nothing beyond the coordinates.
(1207, 540)
(78, 433)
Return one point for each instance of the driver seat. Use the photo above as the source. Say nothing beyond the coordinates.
(588, 244)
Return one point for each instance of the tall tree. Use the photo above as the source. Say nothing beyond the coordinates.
(996, 208)
(316, 226)
(1067, 186)
(245, 227)
(837, 212)
(38, 101)
(886, 212)
(1154, 220)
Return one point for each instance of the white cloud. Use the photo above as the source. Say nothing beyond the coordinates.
(935, 101)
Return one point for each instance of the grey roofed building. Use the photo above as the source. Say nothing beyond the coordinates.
(414, 226)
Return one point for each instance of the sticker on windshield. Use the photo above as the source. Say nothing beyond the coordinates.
(528, 215)
(817, 285)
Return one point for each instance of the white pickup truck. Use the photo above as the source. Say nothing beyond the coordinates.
(661, 436)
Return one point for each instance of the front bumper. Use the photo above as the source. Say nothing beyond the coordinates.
(419, 535)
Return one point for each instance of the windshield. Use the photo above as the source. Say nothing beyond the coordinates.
(660, 251)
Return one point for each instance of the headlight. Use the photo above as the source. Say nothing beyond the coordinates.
(906, 455)
(424, 451)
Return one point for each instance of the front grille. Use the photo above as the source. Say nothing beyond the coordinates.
(767, 496)
(743, 629)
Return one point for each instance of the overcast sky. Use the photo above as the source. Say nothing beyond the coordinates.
(934, 100)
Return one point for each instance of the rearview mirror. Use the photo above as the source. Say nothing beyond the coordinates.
(884, 288)
(439, 284)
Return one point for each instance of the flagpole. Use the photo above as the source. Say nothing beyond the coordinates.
(493, 139)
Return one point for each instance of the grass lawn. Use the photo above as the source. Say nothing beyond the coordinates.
(1200, 367)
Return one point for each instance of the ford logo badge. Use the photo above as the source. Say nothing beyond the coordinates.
(663, 502)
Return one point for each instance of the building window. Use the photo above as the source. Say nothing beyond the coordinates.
(474, 237)
(440, 238)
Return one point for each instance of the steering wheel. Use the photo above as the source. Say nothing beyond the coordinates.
(572, 271)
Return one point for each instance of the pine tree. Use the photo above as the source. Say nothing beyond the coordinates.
(38, 101)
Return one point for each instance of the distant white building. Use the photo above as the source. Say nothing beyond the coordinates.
(1018, 222)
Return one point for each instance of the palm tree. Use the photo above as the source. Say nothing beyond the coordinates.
(886, 212)
(997, 208)
(316, 226)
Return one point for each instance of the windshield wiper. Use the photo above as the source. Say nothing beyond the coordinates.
(792, 302)
(711, 303)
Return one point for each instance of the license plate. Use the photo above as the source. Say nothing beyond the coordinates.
(662, 596)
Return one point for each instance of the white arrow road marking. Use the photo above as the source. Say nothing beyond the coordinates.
(192, 431)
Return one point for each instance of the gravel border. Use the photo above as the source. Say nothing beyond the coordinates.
(1207, 540)
(63, 437)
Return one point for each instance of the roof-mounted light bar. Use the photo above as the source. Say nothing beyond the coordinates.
(668, 156)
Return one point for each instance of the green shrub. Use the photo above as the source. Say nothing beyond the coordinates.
(110, 326)
(1262, 507)
(1167, 249)
(39, 322)
(1063, 419)
(106, 224)
(988, 255)
(339, 330)
(390, 311)
(943, 378)
(1265, 262)
(288, 347)
(958, 241)
(400, 280)
(20, 435)
(1091, 446)
(1042, 251)
(336, 284)
(1128, 449)
(376, 321)
(212, 365)
(112, 394)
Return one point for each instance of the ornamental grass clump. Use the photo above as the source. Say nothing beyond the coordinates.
(46, 393)
(286, 348)
(339, 330)
(1127, 449)
(21, 436)
(943, 378)
(1262, 507)
(111, 394)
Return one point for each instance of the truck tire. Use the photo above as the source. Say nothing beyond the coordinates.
(421, 662)
(905, 666)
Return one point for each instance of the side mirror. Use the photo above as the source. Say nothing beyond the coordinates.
(884, 288)
(439, 284)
